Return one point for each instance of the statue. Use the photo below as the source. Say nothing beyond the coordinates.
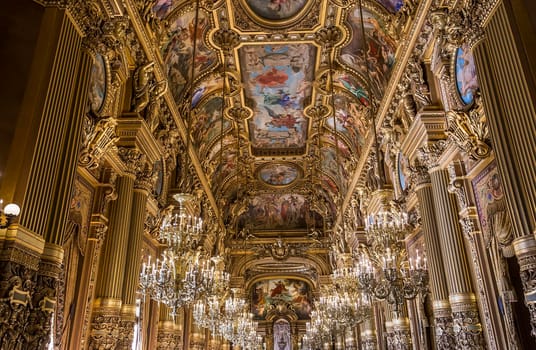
(142, 87)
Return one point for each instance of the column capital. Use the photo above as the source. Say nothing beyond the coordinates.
(430, 154)
(132, 158)
(419, 175)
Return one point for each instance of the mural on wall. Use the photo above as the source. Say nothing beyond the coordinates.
(279, 174)
(380, 49)
(276, 79)
(206, 88)
(466, 79)
(177, 52)
(207, 123)
(276, 9)
(268, 292)
(97, 83)
(276, 211)
(392, 5)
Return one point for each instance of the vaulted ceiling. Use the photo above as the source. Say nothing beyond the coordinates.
(300, 80)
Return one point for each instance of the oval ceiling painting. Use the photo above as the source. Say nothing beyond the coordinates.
(276, 10)
(466, 80)
(279, 174)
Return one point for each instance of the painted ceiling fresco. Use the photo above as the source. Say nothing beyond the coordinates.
(288, 164)
(279, 174)
(177, 51)
(276, 9)
(277, 79)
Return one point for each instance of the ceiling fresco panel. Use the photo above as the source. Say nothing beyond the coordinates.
(276, 211)
(277, 83)
(276, 9)
(380, 49)
(392, 6)
(177, 51)
(292, 291)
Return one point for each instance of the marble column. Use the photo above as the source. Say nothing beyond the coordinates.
(465, 316)
(142, 187)
(444, 337)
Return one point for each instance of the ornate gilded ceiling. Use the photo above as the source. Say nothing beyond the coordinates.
(278, 159)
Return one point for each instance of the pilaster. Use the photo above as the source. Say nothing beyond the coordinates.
(444, 336)
(466, 323)
(368, 335)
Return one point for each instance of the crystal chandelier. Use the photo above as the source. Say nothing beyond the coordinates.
(183, 273)
(384, 270)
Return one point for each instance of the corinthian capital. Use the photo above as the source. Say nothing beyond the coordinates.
(132, 158)
(419, 174)
(429, 154)
(146, 178)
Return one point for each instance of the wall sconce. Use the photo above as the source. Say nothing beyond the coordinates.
(8, 214)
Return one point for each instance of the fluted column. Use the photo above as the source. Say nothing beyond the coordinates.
(107, 307)
(39, 175)
(398, 329)
(169, 330)
(466, 321)
(368, 335)
(509, 103)
(142, 187)
(444, 337)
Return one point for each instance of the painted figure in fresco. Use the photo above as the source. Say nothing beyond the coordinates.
(162, 7)
(282, 120)
(278, 289)
(97, 86)
(357, 91)
(276, 9)
(469, 82)
(271, 78)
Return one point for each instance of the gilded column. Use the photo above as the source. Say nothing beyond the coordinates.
(465, 316)
(368, 335)
(399, 329)
(169, 330)
(506, 90)
(444, 337)
(107, 306)
(39, 176)
(142, 187)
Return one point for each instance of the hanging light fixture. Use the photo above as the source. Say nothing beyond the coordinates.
(183, 273)
(383, 268)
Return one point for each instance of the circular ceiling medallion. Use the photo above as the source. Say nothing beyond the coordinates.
(279, 174)
(276, 10)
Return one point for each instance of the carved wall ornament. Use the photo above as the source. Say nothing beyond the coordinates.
(430, 154)
(132, 158)
(414, 74)
(468, 330)
(98, 138)
(470, 131)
